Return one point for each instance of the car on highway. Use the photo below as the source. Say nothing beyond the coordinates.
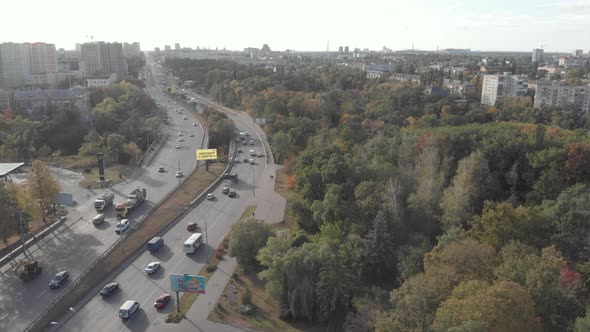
(239, 150)
(181, 139)
(225, 190)
(179, 174)
(184, 118)
(191, 135)
(244, 143)
(194, 124)
(108, 289)
(161, 169)
(59, 279)
(191, 227)
(237, 160)
(162, 301)
(251, 142)
(122, 226)
(237, 139)
(210, 197)
(251, 161)
(152, 267)
(128, 309)
(232, 194)
(178, 146)
(180, 133)
(260, 154)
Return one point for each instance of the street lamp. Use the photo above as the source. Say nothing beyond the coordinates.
(206, 241)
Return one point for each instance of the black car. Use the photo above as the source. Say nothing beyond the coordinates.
(59, 279)
(232, 194)
(225, 190)
(109, 288)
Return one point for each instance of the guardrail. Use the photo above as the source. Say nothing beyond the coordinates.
(43, 320)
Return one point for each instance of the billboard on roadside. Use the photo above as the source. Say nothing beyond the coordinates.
(187, 283)
(207, 154)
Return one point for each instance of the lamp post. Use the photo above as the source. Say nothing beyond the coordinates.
(206, 241)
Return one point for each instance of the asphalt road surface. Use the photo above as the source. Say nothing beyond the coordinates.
(101, 314)
(75, 245)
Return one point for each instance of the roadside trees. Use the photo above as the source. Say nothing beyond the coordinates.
(42, 186)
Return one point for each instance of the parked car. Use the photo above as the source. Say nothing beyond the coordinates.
(194, 124)
(152, 267)
(239, 150)
(251, 142)
(59, 279)
(191, 135)
(108, 289)
(251, 161)
(191, 227)
(237, 160)
(184, 117)
(162, 301)
(246, 160)
(232, 194)
(99, 219)
(260, 154)
(210, 196)
(179, 174)
(225, 190)
(178, 146)
(180, 133)
(181, 139)
(161, 169)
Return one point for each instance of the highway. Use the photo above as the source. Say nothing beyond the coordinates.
(101, 314)
(75, 245)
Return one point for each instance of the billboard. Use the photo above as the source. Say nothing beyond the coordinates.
(207, 154)
(187, 283)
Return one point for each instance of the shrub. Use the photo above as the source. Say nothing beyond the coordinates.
(247, 297)
(211, 268)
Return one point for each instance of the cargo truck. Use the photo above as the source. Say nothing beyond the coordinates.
(134, 199)
(104, 201)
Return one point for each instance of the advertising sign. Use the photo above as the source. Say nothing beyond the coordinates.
(207, 154)
(260, 121)
(187, 283)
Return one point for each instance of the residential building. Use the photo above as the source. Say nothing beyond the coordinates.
(578, 53)
(557, 94)
(376, 71)
(435, 91)
(35, 101)
(43, 58)
(101, 81)
(102, 58)
(413, 79)
(571, 61)
(537, 55)
(496, 87)
(157, 51)
(177, 47)
(15, 64)
(131, 50)
(459, 88)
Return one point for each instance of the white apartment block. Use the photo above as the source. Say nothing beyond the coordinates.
(556, 94)
(496, 87)
(131, 49)
(571, 61)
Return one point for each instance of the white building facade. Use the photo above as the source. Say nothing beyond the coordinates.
(557, 94)
(496, 87)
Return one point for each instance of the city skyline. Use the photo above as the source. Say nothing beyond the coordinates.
(557, 26)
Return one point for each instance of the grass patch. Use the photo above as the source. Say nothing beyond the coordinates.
(266, 313)
(160, 217)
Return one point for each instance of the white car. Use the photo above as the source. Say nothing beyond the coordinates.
(181, 139)
(179, 174)
(237, 160)
(194, 124)
(191, 135)
(122, 226)
(210, 196)
(152, 267)
(180, 133)
(184, 117)
(260, 154)
(251, 161)
(178, 146)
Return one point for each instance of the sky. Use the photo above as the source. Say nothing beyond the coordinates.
(304, 25)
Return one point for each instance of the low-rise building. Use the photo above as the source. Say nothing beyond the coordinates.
(571, 61)
(558, 94)
(101, 81)
(406, 78)
(376, 71)
(35, 101)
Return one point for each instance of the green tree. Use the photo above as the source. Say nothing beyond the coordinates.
(583, 323)
(504, 306)
(42, 186)
(245, 240)
(465, 195)
(569, 219)
(379, 253)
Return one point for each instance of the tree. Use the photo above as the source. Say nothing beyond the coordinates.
(380, 250)
(583, 323)
(245, 240)
(281, 146)
(504, 306)
(8, 209)
(465, 194)
(42, 186)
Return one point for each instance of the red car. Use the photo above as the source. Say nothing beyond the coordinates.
(192, 227)
(162, 301)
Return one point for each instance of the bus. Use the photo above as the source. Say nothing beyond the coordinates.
(192, 243)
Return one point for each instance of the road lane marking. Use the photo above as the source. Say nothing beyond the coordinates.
(6, 315)
(45, 291)
(99, 309)
(12, 321)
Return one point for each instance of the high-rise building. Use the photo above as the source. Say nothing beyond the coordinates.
(578, 53)
(102, 58)
(496, 87)
(177, 46)
(15, 65)
(557, 94)
(537, 55)
(43, 58)
(340, 49)
(346, 49)
(130, 50)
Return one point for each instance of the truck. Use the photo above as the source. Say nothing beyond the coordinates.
(104, 201)
(155, 243)
(28, 270)
(134, 199)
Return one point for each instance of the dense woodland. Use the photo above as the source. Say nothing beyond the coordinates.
(416, 213)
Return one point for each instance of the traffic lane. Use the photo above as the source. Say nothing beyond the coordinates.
(220, 214)
(61, 254)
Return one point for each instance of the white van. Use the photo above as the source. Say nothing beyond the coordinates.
(128, 309)
(192, 243)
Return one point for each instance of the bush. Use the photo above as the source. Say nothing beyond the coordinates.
(235, 275)
(211, 268)
(247, 297)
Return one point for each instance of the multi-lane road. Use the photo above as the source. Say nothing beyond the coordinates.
(216, 216)
(76, 244)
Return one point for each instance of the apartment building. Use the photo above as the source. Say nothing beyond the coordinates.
(15, 64)
(571, 61)
(537, 55)
(102, 58)
(130, 50)
(496, 87)
(35, 101)
(557, 94)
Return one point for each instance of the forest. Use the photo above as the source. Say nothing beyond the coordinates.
(414, 212)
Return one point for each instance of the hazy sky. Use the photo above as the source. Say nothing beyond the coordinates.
(559, 25)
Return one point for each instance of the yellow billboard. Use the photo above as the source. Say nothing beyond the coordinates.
(207, 154)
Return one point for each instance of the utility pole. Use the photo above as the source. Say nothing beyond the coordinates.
(206, 241)
(253, 185)
(22, 234)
